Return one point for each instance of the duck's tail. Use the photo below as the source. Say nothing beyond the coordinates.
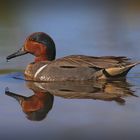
(118, 72)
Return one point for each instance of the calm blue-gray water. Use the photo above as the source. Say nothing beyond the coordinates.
(108, 110)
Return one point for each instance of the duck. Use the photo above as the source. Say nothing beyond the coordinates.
(46, 67)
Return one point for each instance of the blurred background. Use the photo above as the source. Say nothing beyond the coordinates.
(90, 27)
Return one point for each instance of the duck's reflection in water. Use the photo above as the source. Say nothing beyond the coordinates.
(99, 90)
(38, 105)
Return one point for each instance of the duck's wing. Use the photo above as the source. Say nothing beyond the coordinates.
(80, 67)
(90, 61)
(104, 67)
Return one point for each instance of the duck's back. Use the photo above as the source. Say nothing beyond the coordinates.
(78, 67)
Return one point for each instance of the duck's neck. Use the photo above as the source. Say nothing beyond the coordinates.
(40, 58)
(44, 58)
(40, 94)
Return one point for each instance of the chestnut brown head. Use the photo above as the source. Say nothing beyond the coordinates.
(40, 45)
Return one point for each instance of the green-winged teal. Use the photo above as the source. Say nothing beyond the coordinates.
(73, 67)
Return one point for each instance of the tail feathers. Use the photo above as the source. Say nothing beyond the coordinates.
(118, 72)
(133, 64)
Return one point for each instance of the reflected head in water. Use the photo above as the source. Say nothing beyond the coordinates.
(37, 106)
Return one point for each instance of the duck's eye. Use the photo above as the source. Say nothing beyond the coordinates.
(31, 39)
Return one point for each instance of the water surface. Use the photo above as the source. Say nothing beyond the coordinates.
(106, 110)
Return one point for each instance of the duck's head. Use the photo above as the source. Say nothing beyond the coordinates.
(40, 45)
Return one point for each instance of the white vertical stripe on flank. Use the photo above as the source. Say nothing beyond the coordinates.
(39, 85)
(39, 70)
